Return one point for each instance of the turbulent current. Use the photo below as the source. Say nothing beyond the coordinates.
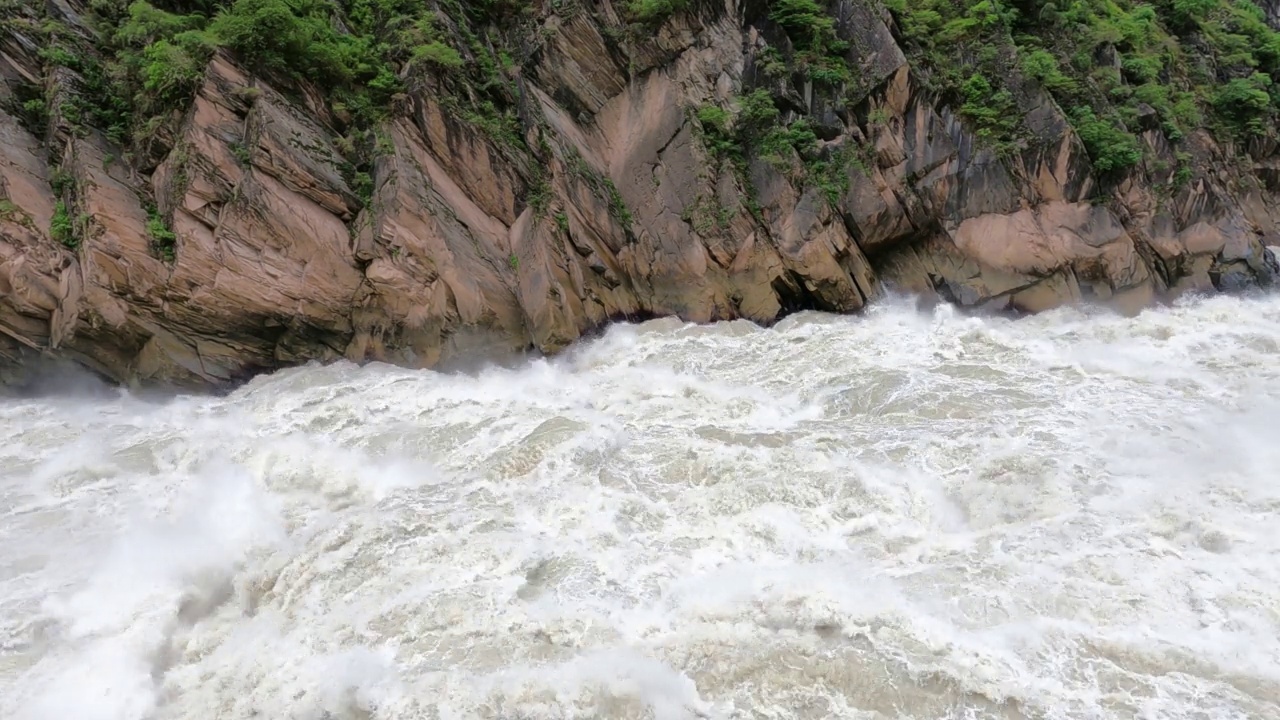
(908, 514)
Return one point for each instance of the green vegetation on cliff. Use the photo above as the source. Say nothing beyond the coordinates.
(820, 52)
(654, 11)
(61, 228)
(146, 59)
(1116, 67)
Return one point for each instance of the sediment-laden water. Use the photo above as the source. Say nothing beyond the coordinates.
(902, 515)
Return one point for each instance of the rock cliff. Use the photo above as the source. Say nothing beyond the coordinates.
(713, 159)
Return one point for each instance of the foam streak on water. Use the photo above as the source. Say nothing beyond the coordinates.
(903, 515)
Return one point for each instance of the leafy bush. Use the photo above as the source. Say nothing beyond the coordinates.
(1187, 13)
(831, 175)
(170, 72)
(1043, 66)
(295, 36)
(147, 24)
(1193, 61)
(61, 228)
(778, 144)
(964, 43)
(36, 112)
(759, 127)
(1112, 150)
(60, 56)
(654, 11)
(716, 132)
(806, 22)
(1182, 176)
(1247, 104)
(1142, 68)
(771, 63)
(714, 118)
(1186, 111)
(756, 113)
(812, 31)
(992, 111)
(438, 54)
(163, 240)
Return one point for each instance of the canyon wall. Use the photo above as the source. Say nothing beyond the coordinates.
(240, 243)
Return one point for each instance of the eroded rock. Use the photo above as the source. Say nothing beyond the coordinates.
(614, 209)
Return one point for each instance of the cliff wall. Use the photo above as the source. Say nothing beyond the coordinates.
(539, 171)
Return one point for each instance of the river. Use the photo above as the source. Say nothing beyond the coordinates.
(907, 514)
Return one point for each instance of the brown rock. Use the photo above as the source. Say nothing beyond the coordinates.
(475, 244)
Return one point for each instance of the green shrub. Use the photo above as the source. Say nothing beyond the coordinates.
(36, 111)
(992, 111)
(760, 128)
(243, 155)
(771, 63)
(776, 146)
(362, 186)
(1187, 13)
(169, 72)
(1247, 104)
(1186, 111)
(617, 206)
(438, 54)
(806, 22)
(296, 36)
(164, 242)
(1043, 66)
(716, 133)
(965, 43)
(714, 118)
(820, 53)
(1112, 150)
(654, 11)
(539, 195)
(9, 210)
(1142, 68)
(831, 175)
(61, 228)
(60, 56)
(756, 113)
(1193, 61)
(1182, 176)
(146, 24)
(828, 71)
(60, 180)
(1155, 95)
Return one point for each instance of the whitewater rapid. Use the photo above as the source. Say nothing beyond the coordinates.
(908, 514)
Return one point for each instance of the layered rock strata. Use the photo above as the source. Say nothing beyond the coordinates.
(278, 260)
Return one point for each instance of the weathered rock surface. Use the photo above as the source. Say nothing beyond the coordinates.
(278, 260)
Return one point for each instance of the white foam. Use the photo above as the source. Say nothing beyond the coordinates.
(907, 514)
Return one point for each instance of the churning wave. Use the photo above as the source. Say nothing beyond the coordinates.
(901, 515)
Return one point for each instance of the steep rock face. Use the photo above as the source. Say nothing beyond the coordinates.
(464, 249)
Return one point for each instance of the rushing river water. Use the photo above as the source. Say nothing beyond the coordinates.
(902, 515)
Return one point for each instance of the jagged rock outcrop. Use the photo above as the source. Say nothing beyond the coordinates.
(465, 249)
